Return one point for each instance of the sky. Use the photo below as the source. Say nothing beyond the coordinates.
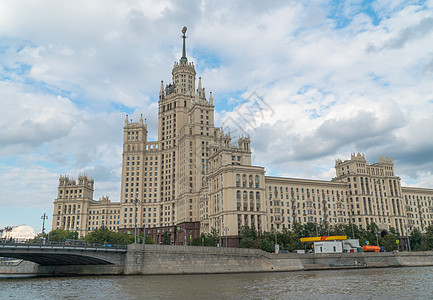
(309, 81)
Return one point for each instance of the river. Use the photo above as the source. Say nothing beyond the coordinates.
(391, 283)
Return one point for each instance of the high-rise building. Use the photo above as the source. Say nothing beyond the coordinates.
(196, 179)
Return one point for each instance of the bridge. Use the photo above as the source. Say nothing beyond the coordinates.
(53, 257)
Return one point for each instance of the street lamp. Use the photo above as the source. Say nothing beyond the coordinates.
(407, 237)
(226, 232)
(43, 217)
(351, 225)
(144, 232)
(377, 238)
(277, 247)
(219, 231)
(135, 201)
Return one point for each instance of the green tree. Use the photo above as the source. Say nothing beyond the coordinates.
(199, 241)
(267, 245)
(209, 240)
(415, 240)
(104, 235)
(149, 239)
(393, 231)
(165, 238)
(248, 242)
(338, 229)
(309, 229)
(389, 242)
(58, 235)
(427, 239)
(247, 232)
(248, 238)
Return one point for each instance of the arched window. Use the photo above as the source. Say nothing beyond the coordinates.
(251, 201)
(250, 181)
(238, 180)
(244, 180)
(257, 181)
(257, 201)
(238, 200)
(244, 198)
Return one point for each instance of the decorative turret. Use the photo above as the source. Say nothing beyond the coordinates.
(244, 143)
(134, 135)
(161, 90)
(200, 89)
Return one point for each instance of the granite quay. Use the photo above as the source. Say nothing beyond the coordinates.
(167, 259)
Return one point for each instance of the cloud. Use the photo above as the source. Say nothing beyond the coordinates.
(406, 35)
(69, 72)
(27, 119)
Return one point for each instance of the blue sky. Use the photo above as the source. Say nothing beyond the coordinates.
(339, 77)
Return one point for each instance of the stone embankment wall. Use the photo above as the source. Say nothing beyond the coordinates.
(21, 267)
(161, 259)
(158, 259)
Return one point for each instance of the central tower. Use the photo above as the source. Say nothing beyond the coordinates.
(183, 74)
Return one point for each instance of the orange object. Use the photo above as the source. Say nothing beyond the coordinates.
(370, 249)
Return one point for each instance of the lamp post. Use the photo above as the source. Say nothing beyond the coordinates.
(407, 237)
(277, 247)
(43, 217)
(135, 201)
(219, 232)
(144, 232)
(377, 238)
(226, 232)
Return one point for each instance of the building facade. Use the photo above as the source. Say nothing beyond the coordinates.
(195, 174)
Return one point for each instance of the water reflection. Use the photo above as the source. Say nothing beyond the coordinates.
(336, 284)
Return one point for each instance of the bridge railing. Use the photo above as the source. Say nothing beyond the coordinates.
(66, 245)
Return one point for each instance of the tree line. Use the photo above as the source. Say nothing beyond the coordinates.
(288, 239)
(100, 235)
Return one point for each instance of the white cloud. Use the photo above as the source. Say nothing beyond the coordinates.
(71, 70)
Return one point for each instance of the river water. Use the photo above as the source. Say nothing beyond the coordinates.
(394, 283)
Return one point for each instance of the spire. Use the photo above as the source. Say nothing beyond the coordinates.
(161, 90)
(126, 120)
(145, 123)
(184, 59)
(200, 90)
(141, 119)
(210, 98)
